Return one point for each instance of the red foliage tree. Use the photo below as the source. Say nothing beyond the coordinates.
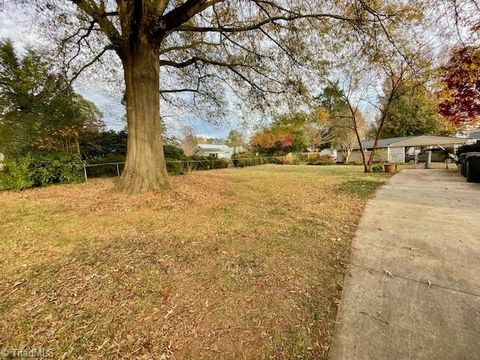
(460, 98)
(271, 142)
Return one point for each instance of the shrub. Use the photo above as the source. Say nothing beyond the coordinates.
(377, 168)
(107, 169)
(173, 152)
(40, 168)
(292, 159)
(176, 167)
(250, 159)
(318, 159)
(199, 163)
(279, 160)
(219, 164)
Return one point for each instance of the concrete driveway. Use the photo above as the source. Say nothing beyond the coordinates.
(413, 287)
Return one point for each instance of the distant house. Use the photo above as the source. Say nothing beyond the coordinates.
(395, 149)
(217, 151)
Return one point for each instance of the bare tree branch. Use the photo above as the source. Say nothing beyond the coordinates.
(90, 63)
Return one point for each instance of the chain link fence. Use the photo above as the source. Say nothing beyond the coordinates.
(181, 166)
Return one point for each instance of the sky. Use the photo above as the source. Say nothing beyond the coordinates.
(14, 26)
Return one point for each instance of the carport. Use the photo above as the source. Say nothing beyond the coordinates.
(393, 150)
(425, 141)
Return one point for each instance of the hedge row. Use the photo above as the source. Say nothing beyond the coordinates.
(247, 159)
(38, 169)
(175, 167)
(43, 168)
(178, 167)
(198, 163)
(317, 159)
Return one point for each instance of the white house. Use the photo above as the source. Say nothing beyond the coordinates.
(217, 151)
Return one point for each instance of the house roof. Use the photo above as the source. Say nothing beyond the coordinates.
(421, 140)
(382, 143)
(212, 148)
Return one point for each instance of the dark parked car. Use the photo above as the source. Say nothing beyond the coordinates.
(438, 155)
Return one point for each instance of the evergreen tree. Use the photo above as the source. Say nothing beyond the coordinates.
(38, 108)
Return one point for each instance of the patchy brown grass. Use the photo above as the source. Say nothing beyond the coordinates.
(235, 263)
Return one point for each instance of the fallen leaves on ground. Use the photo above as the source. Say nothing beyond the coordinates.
(235, 263)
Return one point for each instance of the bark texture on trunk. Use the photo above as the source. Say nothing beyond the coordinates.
(145, 168)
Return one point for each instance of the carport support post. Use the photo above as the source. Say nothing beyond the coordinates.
(429, 159)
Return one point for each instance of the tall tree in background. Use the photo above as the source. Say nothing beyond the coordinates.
(460, 96)
(345, 120)
(413, 112)
(189, 140)
(279, 140)
(235, 139)
(244, 39)
(38, 108)
(397, 74)
(313, 127)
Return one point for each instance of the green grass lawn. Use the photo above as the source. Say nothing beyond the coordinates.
(235, 263)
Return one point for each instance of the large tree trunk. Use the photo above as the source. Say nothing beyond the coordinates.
(145, 168)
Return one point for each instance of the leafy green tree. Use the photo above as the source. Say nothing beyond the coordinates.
(235, 139)
(38, 108)
(332, 99)
(103, 144)
(338, 115)
(313, 127)
(412, 112)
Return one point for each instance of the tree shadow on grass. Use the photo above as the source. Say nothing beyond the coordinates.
(361, 188)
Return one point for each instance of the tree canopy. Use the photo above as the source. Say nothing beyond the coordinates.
(38, 108)
(340, 119)
(412, 112)
(235, 139)
(278, 141)
(460, 96)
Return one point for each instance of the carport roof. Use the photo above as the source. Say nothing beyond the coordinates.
(428, 140)
(382, 143)
(422, 140)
